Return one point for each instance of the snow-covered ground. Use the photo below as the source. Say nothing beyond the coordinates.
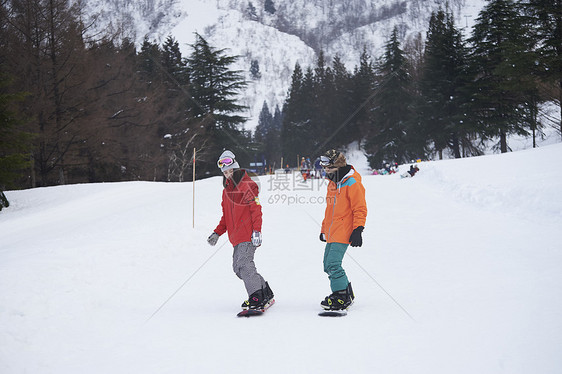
(460, 272)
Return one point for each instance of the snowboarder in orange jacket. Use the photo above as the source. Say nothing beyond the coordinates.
(343, 224)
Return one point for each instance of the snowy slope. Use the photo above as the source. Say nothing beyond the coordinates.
(459, 273)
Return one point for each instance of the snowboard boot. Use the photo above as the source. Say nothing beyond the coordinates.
(339, 300)
(256, 300)
(267, 294)
(350, 292)
(260, 299)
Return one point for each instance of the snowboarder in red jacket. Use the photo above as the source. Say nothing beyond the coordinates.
(242, 219)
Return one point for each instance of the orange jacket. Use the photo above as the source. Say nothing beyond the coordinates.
(346, 208)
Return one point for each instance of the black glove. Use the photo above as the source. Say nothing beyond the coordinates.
(322, 237)
(355, 238)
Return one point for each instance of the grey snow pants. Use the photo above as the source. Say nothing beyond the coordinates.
(245, 268)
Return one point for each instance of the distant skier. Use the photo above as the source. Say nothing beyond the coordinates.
(4, 203)
(305, 168)
(410, 173)
(242, 219)
(317, 168)
(344, 221)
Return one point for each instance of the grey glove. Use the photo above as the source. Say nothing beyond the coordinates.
(256, 238)
(213, 238)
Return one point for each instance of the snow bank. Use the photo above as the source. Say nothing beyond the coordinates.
(527, 183)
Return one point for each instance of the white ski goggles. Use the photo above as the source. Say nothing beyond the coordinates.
(226, 161)
(325, 162)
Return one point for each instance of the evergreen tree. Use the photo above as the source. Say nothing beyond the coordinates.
(267, 136)
(269, 6)
(178, 127)
(265, 124)
(498, 59)
(546, 20)
(172, 63)
(149, 59)
(344, 126)
(364, 83)
(296, 115)
(255, 69)
(323, 128)
(442, 85)
(15, 144)
(388, 139)
(278, 119)
(251, 12)
(274, 159)
(214, 88)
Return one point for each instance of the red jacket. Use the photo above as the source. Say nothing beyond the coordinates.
(241, 209)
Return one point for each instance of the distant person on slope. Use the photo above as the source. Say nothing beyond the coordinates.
(242, 218)
(317, 168)
(344, 221)
(410, 173)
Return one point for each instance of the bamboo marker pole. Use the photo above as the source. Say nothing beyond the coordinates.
(193, 182)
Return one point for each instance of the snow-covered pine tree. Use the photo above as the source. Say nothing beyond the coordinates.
(363, 85)
(441, 106)
(148, 61)
(255, 70)
(265, 124)
(342, 105)
(545, 17)
(297, 114)
(392, 109)
(499, 41)
(214, 88)
(173, 64)
(267, 137)
(269, 6)
(251, 12)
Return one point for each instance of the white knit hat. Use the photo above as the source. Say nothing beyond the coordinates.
(227, 161)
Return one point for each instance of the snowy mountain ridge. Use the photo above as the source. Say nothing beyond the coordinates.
(295, 32)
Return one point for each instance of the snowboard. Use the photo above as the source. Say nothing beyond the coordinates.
(255, 312)
(333, 313)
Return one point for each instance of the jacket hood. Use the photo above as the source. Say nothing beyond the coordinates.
(343, 174)
(339, 174)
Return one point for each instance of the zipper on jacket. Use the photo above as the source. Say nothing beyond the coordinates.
(232, 206)
(332, 222)
(338, 190)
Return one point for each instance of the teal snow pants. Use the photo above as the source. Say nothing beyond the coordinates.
(333, 256)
